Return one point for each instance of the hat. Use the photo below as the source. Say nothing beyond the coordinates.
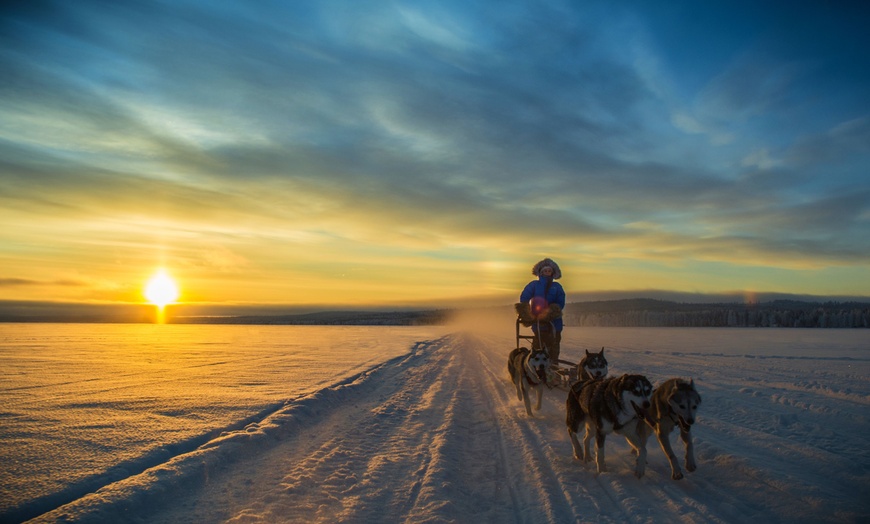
(547, 262)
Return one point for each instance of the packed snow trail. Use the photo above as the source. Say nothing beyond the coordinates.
(438, 435)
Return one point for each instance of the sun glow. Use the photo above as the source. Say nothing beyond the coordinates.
(161, 289)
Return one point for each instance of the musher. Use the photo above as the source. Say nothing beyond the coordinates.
(543, 295)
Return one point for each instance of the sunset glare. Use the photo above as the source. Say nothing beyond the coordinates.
(161, 290)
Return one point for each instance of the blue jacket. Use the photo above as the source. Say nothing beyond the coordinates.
(554, 295)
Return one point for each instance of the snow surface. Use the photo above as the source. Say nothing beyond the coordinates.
(121, 423)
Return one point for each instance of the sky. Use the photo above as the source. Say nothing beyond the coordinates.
(389, 152)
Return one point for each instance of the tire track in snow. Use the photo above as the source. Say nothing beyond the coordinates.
(547, 451)
(461, 453)
(584, 495)
(521, 494)
(520, 441)
(542, 442)
(348, 479)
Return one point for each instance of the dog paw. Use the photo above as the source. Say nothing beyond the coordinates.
(677, 475)
(690, 466)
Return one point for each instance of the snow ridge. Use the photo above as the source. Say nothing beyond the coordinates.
(161, 473)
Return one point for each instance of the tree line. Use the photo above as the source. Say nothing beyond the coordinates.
(661, 313)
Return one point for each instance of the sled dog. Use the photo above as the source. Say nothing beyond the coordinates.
(528, 370)
(614, 404)
(592, 366)
(674, 404)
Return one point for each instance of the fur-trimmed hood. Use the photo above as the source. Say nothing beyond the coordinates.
(536, 269)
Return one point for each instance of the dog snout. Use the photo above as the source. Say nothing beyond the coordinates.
(690, 420)
(646, 405)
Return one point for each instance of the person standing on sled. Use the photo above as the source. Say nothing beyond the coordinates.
(547, 312)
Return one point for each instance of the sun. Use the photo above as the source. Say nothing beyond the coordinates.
(161, 289)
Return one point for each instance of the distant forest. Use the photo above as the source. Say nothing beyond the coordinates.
(332, 318)
(661, 313)
(637, 312)
(613, 313)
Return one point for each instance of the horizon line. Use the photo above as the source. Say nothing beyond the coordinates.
(43, 307)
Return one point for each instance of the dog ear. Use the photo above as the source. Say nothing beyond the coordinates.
(602, 351)
(621, 380)
(587, 352)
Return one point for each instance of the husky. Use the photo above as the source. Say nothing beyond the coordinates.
(614, 404)
(674, 404)
(592, 366)
(528, 370)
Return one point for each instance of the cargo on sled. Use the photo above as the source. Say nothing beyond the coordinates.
(534, 323)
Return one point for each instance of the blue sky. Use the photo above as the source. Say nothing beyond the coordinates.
(419, 152)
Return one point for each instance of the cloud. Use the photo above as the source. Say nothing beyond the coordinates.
(747, 89)
(15, 282)
(8, 282)
(846, 142)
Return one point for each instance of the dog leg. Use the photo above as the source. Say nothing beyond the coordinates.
(686, 436)
(637, 441)
(572, 433)
(526, 401)
(640, 465)
(665, 443)
(599, 451)
(519, 385)
(587, 439)
(539, 392)
(573, 418)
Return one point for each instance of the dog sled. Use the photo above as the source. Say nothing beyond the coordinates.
(564, 372)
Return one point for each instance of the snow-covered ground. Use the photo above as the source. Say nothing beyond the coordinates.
(121, 423)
